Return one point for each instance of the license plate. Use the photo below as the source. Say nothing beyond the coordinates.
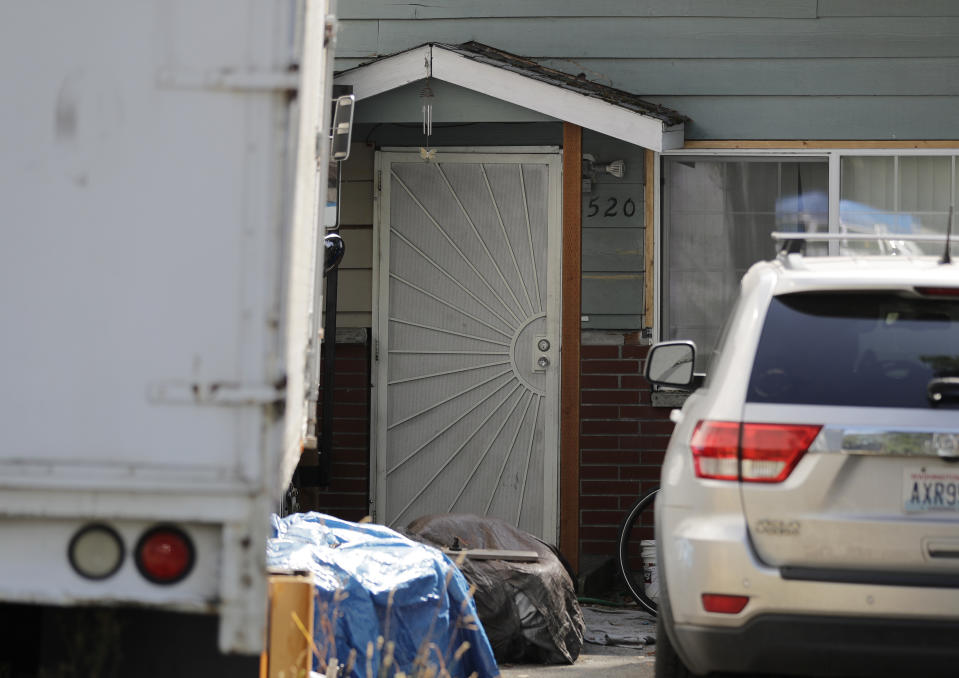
(930, 490)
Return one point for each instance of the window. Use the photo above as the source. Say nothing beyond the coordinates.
(718, 217)
(897, 194)
(718, 213)
(876, 349)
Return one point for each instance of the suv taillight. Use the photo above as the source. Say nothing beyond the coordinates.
(715, 446)
(758, 453)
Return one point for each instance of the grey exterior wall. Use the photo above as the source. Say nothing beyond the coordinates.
(740, 69)
(614, 232)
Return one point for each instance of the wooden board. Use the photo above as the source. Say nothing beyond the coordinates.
(463, 9)
(888, 8)
(866, 118)
(612, 293)
(614, 249)
(569, 397)
(289, 650)
(494, 554)
(768, 76)
(650, 234)
(665, 38)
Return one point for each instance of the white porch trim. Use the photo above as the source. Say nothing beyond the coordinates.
(549, 99)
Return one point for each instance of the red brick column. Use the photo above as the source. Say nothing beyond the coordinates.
(623, 439)
(347, 494)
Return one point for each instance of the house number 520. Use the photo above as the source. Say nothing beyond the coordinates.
(612, 207)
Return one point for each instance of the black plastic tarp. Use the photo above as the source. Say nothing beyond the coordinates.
(529, 609)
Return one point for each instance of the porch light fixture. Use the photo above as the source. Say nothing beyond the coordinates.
(592, 167)
(617, 168)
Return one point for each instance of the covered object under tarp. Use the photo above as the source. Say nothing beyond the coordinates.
(529, 609)
(376, 587)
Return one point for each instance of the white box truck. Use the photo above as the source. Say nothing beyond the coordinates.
(159, 170)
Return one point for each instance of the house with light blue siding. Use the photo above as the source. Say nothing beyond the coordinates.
(538, 189)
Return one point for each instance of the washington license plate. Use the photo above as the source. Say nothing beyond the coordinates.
(930, 490)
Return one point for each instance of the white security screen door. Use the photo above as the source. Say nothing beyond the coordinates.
(467, 337)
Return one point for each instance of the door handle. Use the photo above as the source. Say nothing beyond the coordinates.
(541, 358)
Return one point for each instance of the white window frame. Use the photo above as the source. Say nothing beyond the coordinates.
(833, 156)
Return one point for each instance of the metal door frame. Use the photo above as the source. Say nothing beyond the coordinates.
(549, 155)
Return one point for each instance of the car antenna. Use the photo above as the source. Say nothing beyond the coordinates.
(946, 258)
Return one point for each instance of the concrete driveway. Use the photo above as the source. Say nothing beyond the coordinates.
(595, 662)
(620, 644)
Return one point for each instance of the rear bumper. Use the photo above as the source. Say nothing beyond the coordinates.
(795, 623)
(824, 646)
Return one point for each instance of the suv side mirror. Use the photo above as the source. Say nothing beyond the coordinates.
(670, 363)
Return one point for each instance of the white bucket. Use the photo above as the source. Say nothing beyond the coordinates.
(650, 578)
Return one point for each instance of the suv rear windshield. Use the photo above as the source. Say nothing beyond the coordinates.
(874, 349)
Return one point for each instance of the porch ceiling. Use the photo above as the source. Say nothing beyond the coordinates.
(524, 83)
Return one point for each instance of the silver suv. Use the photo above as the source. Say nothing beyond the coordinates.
(808, 520)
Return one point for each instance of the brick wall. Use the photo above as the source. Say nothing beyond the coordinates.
(622, 440)
(347, 495)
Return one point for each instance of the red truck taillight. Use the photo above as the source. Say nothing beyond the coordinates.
(164, 554)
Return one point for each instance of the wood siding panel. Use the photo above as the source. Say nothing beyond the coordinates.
(357, 38)
(888, 8)
(666, 38)
(613, 240)
(359, 166)
(353, 319)
(355, 282)
(613, 249)
(818, 117)
(359, 248)
(613, 294)
(836, 69)
(356, 203)
(469, 9)
(771, 77)
(354, 291)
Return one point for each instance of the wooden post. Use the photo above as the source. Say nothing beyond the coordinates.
(569, 387)
(289, 652)
(649, 275)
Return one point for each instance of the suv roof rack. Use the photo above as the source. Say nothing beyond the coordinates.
(794, 242)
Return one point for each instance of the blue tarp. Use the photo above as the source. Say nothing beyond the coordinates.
(373, 583)
(794, 211)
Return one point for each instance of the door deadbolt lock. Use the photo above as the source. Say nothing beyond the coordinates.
(540, 361)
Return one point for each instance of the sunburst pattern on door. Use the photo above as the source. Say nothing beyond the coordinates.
(466, 323)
